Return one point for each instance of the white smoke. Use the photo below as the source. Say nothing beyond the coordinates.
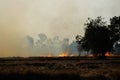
(54, 46)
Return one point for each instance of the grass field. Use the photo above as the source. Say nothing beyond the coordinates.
(56, 68)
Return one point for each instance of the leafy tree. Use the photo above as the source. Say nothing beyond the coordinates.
(115, 28)
(100, 37)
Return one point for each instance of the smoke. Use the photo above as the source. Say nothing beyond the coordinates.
(30, 41)
(44, 46)
(65, 18)
(11, 32)
(54, 46)
(73, 48)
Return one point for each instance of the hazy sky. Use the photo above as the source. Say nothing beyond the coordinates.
(64, 18)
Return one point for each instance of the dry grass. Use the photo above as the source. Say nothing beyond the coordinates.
(60, 70)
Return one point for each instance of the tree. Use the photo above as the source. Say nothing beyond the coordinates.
(30, 41)
(100, 37)
(79, 46)
(115, 28)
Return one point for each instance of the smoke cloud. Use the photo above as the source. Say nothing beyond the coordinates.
(44, 46)
(64, 18)
(54, 46)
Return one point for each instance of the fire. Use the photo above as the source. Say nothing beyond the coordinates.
(90, 55)
(66, 54)
(108, 54)
(72, 55)
(49, 55)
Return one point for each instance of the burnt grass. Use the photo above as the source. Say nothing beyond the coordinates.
(56, 68)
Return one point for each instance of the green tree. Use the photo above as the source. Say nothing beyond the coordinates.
(114, 28)
(100, 37)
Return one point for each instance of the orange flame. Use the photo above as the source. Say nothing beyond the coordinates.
(49, 55)
(90, 55)
(108, 54)
(66, 54)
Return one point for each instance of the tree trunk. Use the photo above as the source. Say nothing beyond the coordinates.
(103, 55)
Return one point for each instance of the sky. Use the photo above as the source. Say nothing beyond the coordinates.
(63, 18)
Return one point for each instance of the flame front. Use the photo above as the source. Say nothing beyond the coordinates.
(108, 54)
(49, 55)
(66, 54)
(90, 55)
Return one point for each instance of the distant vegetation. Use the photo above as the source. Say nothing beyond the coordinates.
(54, 46)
